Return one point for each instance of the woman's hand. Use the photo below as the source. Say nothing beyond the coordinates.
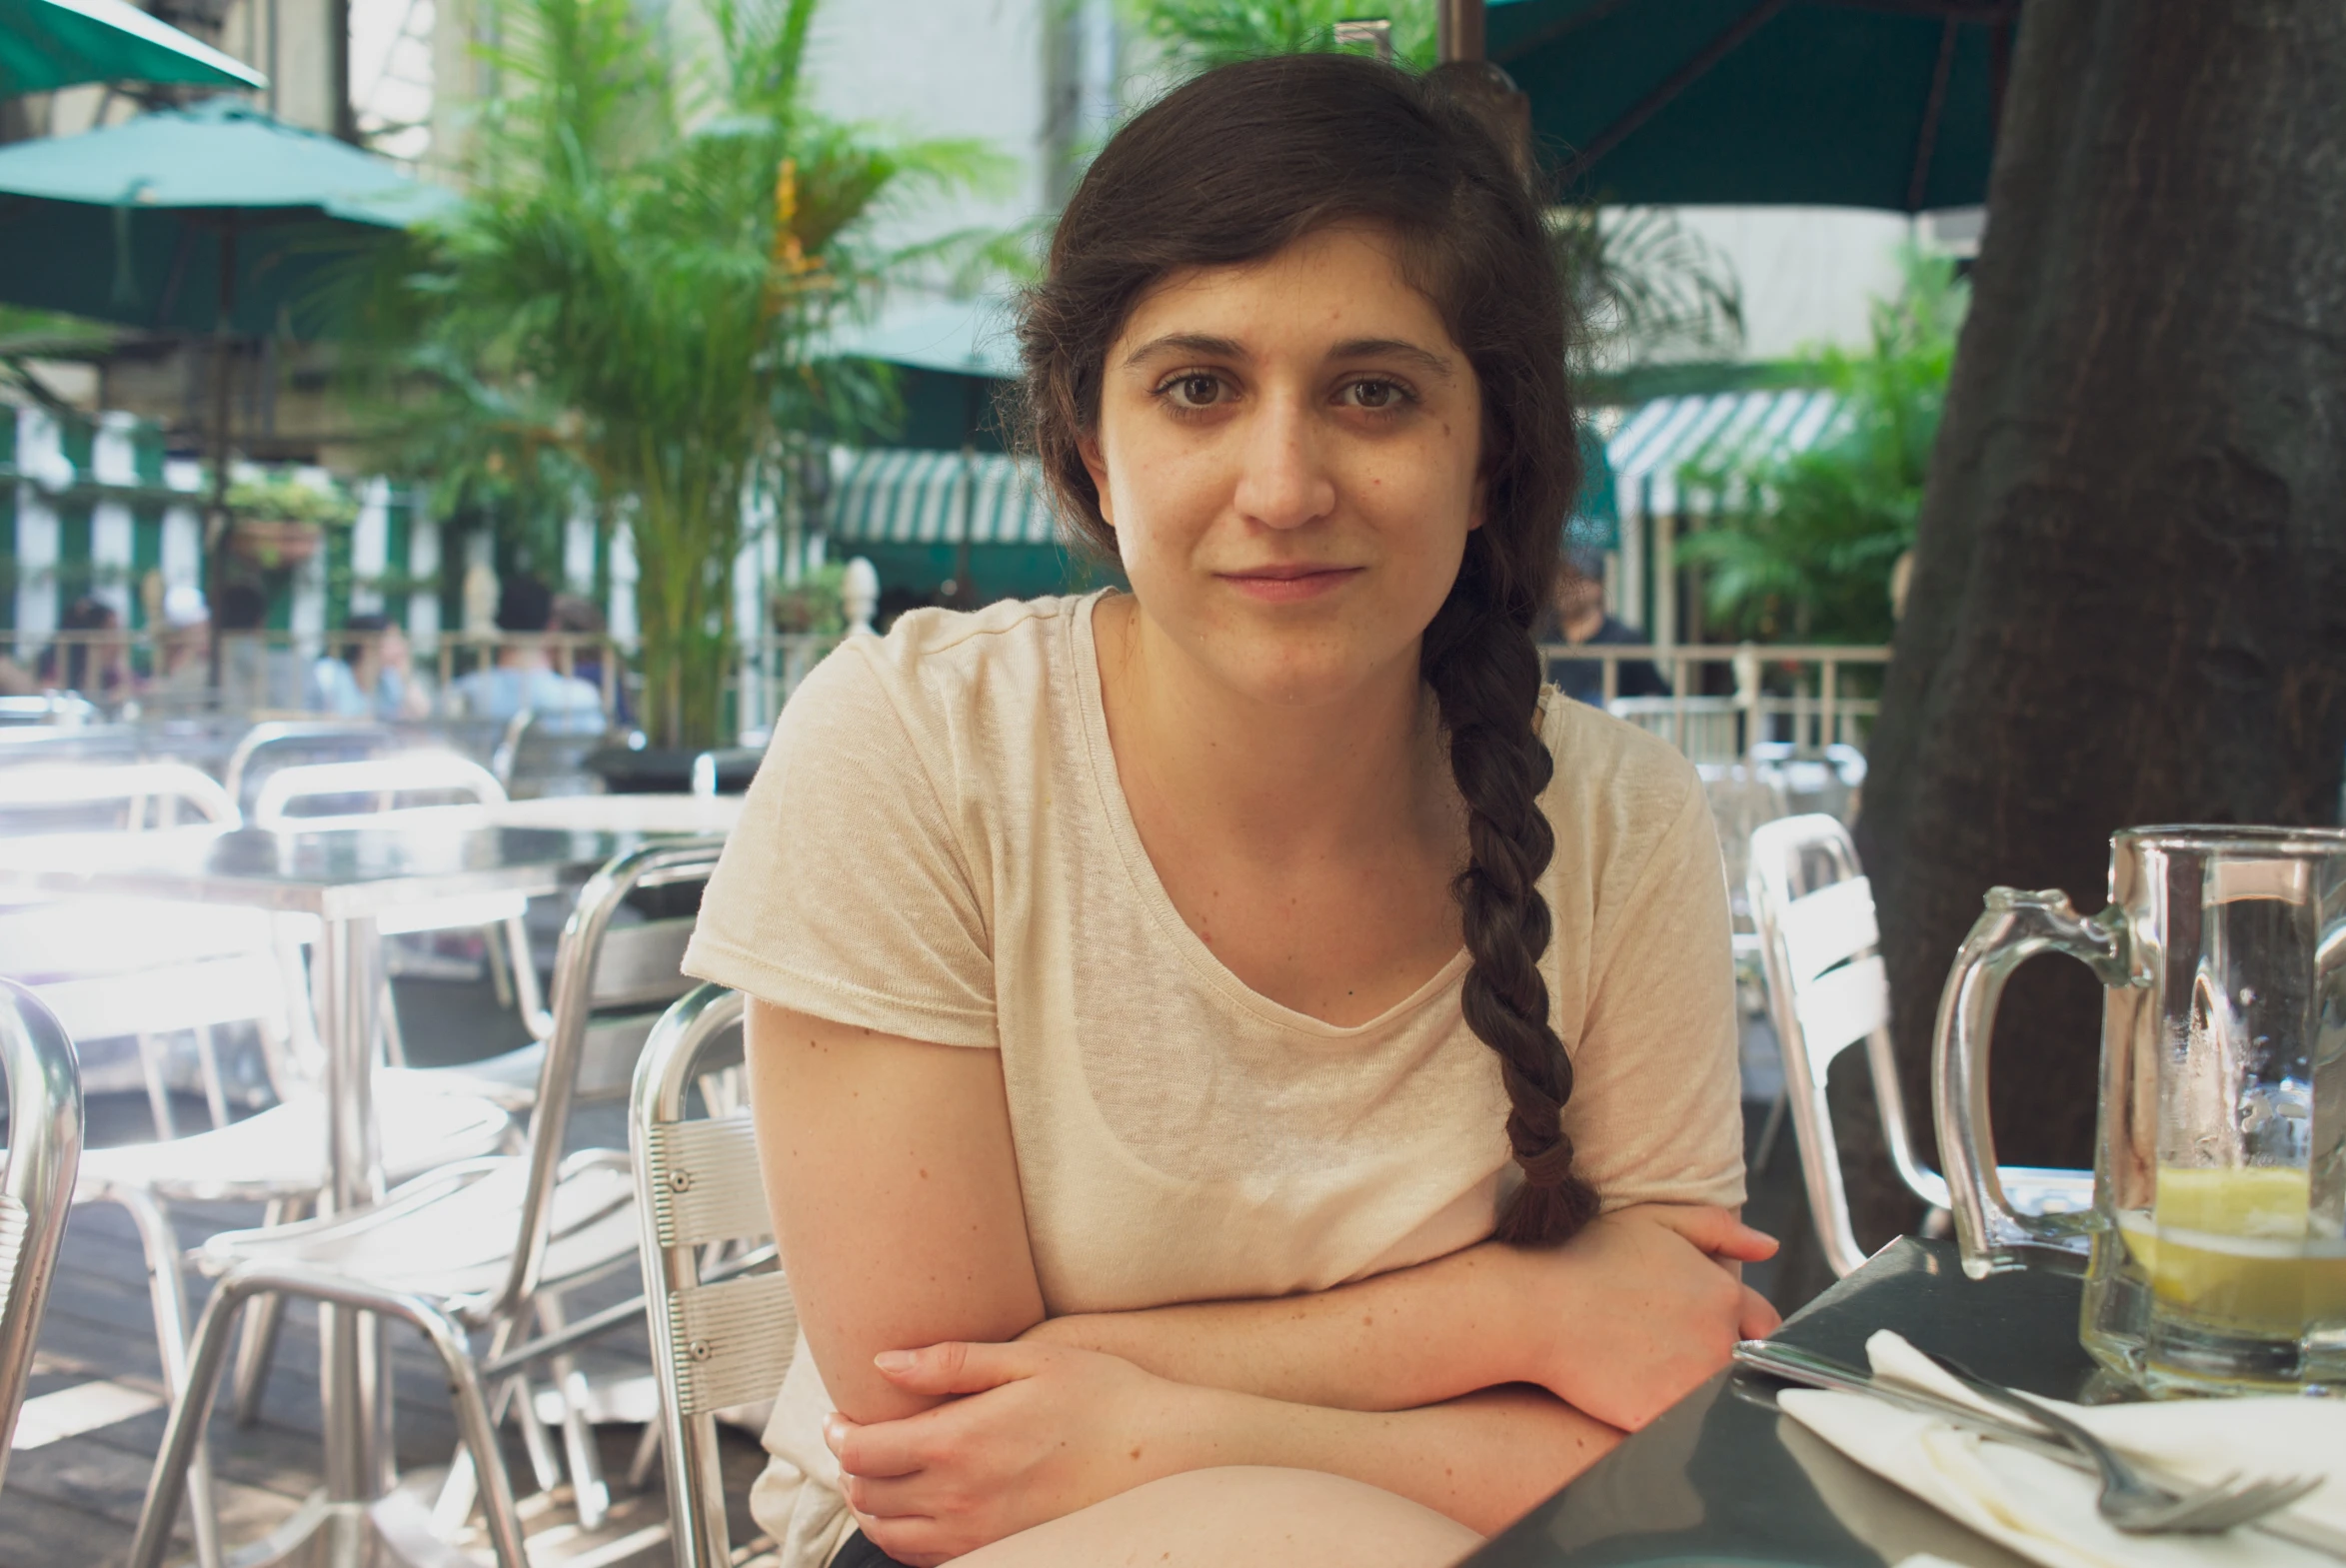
(1640, 1308)
(1038, 1431)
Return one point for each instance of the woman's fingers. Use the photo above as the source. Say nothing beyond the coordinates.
(884, 1448)
(1757, 1319)
(958, 1367)
(1711, 1229)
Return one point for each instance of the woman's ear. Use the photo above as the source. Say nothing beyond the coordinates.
(1095, 465)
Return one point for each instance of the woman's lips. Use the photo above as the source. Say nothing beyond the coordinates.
(1287, 584)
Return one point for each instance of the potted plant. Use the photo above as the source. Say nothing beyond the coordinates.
(278, 522)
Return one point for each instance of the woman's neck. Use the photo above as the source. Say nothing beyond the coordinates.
(1289, 782)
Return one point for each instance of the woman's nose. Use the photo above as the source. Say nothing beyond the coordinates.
(1285, 481)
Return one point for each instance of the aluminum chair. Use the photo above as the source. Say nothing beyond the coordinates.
(490, 1243)
(1827, 990)
(721, 1335)
(75, 952)
(281, 743)
(36, 1187)
(385, 782)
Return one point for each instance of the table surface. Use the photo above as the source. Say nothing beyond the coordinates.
(1724, 1477)
(339, 875)
(641, 814)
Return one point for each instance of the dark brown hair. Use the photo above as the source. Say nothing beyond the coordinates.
(1233, 166)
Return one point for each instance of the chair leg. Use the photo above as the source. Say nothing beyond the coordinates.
(167, 1291)
(588, 1491)
(158, 1091)
(394, 1042)
(208, 1061)
(1769, 1132)
(496, 975)
(183, 1434)
(639, 1469)
(530, 1000)
(256, 1346)
(480, 1438)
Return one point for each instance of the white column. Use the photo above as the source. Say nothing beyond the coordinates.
(577, 554)
(622, 587)
(183, 525)
(113, 461)
(40, 456)
(370, 547)
(309, 583)
(423, 564)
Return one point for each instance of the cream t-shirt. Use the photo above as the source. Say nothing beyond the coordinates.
(938, 847)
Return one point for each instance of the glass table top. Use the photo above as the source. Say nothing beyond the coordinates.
(336, 874)
(1723, 1477)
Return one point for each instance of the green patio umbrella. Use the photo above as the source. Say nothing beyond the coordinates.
(47, 44)
(1841, 103)
(204, 219)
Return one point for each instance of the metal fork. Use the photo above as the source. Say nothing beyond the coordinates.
(2131, 1501)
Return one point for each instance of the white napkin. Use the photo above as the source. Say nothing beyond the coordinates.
(2045, 1511)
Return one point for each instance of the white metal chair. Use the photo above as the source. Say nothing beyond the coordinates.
(489, 1243)
(131, 968)
(455, 788)
(281, 743)
(724, 1327)
(1827, 990)
(36, 1188)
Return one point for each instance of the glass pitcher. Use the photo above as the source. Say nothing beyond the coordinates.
(2215, 1253)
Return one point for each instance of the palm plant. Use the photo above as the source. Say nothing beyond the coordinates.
(1197, 35)
(1806, 545)
(631, 299)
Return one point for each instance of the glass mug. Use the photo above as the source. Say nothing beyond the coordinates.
(2215, 1253)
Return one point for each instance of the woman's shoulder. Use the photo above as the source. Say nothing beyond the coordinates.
(1617, 791)
(942, 681)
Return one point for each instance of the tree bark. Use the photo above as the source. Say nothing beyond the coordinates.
(2129, 591)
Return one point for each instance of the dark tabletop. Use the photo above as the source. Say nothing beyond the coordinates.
(1723, 1477)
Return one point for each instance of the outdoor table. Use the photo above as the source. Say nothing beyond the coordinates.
(346, 877)
(1724, 1477)
(650, 815)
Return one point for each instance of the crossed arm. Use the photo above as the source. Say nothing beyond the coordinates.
(1474, 1383)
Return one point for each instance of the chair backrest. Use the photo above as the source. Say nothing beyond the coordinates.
(374, 786)
(1827, 990)
(285, 742)
(36, 1190)
(109, 797)
(601, 965)
(719, 1337)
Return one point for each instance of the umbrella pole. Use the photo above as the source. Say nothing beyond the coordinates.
(216, 516)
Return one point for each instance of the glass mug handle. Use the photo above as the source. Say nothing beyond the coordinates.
(2016, 926)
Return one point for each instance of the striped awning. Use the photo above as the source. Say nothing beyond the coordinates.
(1658, 442)
(897, 495)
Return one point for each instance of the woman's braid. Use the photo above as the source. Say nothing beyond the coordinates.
(1484, 671)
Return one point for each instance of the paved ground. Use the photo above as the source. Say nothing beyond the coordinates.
(75, 1482)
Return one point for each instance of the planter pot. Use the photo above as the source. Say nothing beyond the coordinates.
(664, 769)
(274, 542)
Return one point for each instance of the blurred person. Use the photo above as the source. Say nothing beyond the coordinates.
(183, 653)
(1578, 617)
(578, 615)
(254, 676)
(524, 677)
(96, 667)
(374, 677)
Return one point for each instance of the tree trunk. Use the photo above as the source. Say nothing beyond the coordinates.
(2130, 593)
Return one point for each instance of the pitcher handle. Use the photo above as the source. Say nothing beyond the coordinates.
(2016, 926)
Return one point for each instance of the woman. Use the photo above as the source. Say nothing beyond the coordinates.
(1162, 1000)
(375, 677)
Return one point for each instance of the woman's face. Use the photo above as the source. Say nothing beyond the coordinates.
(1288, 451)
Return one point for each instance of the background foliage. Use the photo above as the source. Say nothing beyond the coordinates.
(1806, 547)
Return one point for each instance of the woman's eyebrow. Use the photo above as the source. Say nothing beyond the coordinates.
(1393, 349)
(1196, 344)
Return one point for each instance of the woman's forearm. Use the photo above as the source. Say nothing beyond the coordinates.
(1401, 1340)
(1483, 1459)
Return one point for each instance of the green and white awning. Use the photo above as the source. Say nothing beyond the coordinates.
(1657, 442)
(897, 495)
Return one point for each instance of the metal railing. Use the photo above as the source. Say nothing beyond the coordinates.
(1807, 696)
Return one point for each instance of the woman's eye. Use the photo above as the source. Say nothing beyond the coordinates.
(1375, 395)
(1193, 392)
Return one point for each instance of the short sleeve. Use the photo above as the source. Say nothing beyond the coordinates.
(1656, 1110)
(843, 891)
